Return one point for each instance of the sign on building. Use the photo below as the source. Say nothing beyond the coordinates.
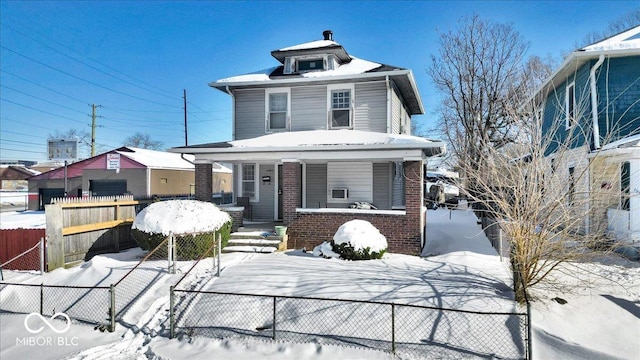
(63, 149)
(113, 161)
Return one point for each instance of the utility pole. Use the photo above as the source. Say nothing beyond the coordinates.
(186, 142)
(93, 129)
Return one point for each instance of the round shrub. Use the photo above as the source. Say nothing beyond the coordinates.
(359, 240)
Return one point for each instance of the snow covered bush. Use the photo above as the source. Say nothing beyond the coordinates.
(359, 240)
(183, 218)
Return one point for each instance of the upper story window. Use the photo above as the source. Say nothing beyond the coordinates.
(570, 105)
(278, 109)
(340, 106)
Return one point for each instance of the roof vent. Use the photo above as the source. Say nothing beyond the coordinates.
(328, 35)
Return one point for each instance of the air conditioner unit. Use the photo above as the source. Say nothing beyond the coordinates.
(339, 193)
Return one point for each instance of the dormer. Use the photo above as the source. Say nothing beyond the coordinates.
(321, 55)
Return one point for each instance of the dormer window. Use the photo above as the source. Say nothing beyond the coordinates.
(310, 65)
(307, 63)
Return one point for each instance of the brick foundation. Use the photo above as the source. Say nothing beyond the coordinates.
(236, 217)
(311, 229)
(403, 232)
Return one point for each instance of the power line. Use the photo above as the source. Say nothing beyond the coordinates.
(94, 60)
(42, 86)
(42, 111)
(83, 63)
(41, 99)
(85, 80)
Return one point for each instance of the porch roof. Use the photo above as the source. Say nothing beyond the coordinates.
(319, 145)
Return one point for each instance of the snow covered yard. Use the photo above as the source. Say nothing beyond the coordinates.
(599, 320)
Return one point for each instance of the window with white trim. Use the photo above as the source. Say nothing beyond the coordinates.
(340, 106)
(277, 109)
(570, 105)
(249, 180)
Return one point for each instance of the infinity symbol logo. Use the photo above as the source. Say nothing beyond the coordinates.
(38, 330)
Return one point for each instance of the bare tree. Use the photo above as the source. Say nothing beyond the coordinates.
(478, 70)
(547, 215)
(143, 141)
(625, 22)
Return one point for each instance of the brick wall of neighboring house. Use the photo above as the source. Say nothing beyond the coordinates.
(403, 232)
(204, 181)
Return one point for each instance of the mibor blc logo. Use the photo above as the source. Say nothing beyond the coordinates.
(48, 323)
(35, 324)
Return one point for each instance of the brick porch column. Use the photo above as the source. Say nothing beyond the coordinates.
(413, 204)
(204, 182)
(291, 190)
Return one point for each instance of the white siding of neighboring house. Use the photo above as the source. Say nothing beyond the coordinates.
(249, 113)
(370, 107)
(355, 176)
(309, 108)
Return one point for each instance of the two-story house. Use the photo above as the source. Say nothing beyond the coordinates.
(319, 132)
(591, 112)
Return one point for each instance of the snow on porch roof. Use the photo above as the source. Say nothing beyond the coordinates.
(318, 140)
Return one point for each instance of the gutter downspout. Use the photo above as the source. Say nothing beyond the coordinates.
(233, 112)
(594, 102)
(386, 81)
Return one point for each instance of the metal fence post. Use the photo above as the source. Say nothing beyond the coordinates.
(529, 337)
(41, 255)
(172, 325)
(112, 308)
(219, 250)
(500, 242)
(174, 255)
(274, 317)
(169, 253)
(41, 298)
(393, 328)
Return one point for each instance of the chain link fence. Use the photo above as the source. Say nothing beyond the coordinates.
(103, 306)
(28, 262)
(420, 331)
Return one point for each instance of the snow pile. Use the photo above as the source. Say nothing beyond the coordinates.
(325, 250)
(360, 234)
(180, 217)
(330, 137)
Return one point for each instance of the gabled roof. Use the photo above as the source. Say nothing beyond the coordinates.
(16, 172)
(352, 69)
(626, 43)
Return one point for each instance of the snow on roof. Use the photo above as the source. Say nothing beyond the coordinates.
(157, 159)
(328, 137)
(165, 160)
(627, 142)
(629, 39)
(180, 217)
(354, 67)
(311, 45)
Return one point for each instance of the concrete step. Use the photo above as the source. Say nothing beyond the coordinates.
(264, 234)
(249, 249)
(253, 242)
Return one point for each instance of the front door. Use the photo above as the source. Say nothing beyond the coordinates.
(280, 212)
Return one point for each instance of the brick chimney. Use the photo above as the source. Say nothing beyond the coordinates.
(328, 35)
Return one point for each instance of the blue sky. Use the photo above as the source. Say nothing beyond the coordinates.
(134, 58)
